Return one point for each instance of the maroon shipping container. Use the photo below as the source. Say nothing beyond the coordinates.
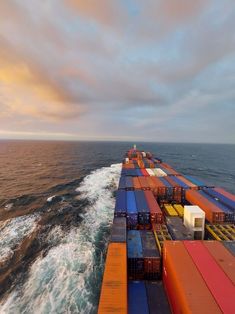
(144, 183)
(219, 284)
(213, 213)
(151, 183)
(156, 215)
(177, 189)
(160, 188)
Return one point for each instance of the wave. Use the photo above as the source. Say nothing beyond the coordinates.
(12, 233)
(67, 279)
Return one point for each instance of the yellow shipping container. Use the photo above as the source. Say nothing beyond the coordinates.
(180, 209)
(170, 210)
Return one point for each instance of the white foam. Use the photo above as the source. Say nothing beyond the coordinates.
(50, 199)
(13, 231)
(59, 282)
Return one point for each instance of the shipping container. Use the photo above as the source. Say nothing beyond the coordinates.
(169, 189)
(113, 297)
(144, 183)
(169, 210)
(156, 215)
(230, 246)
(180, 182)
(152, 259)
(144, 172)
(120, 206)
(159, 172)
(136, 183)
(225, 193)
(137, 298)
(132, 214)
(221, 198)
(222, 257)
(135, 255)
(213, 213)
(118, 233)
(177, 230)
(177, 189)
(150, 171)
(219, 284)
(180, 209)
(196, 181)
(129, 183)
(122, 183)
(187, 291)
(190, 184)
(160, 188)
(229, 215)
(166, 166)
(157, 299)
(139, 173)
(142, 208)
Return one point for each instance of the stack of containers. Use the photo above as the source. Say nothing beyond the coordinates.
(132, 213)
(177, 230)
(156, 215)
(135, 255)
(143, 210)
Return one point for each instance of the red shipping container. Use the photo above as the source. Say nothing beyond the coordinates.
(213, 213)
(222, 257)
(144, 183)
(144, 172)
(177, 189)
(156, 215)
(219, 284)
(186, 289)
(160, 188)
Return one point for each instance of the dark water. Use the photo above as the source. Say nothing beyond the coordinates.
(52, 251)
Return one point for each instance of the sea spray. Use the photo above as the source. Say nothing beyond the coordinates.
(66, 278)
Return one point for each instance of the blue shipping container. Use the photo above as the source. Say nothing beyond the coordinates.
(134, 244)
(120, 206)
(137, 298)
(181, 183)
(130, 202)
(122, 183)
(223, 199)
(195, 181)
(129, 183)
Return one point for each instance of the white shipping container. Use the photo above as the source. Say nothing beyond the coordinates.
(194, 220)
(127, 160)
(143, 154)
(150, 172)
(159, 172)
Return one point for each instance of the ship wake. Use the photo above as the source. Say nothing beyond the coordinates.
(68, 277)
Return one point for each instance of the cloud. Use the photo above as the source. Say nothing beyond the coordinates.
(134, 67)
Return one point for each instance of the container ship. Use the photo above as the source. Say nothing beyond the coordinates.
(172, 243)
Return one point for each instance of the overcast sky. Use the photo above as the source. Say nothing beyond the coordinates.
(148, 70)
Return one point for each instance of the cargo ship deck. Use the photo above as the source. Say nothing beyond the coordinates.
(172, 243)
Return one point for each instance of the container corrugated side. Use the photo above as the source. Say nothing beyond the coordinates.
(152, 259)
(223, 199)
(157, 298)
(120, 206)
(113, 297)
(213, 213)
(143, 208)
(225, 193)
(135, 255)
(177, 230)
(132, 214)
(137, 298)
(223, 258)
(219, 284)
(187, 291)
(156, 215)
(118, 233)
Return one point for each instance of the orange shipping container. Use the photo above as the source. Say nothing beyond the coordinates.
(213, 213)
(113, 297)
(144, 183)
(223, 257)
(136, 183)
(186, 289)
(189, 183)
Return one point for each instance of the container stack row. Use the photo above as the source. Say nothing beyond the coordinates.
(153, 263)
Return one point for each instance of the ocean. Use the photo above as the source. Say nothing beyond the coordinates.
(56, 209)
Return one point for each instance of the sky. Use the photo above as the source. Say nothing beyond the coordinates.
(143, 70)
